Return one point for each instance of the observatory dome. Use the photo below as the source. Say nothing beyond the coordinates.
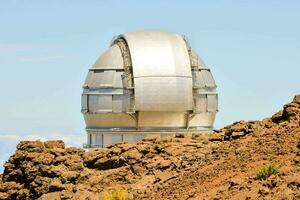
(147, 82)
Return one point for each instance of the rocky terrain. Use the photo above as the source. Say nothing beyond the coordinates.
(218, 165)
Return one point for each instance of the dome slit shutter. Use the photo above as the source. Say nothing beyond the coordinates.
(161, 72)
(126, 77)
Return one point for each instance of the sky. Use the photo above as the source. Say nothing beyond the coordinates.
(47, 47)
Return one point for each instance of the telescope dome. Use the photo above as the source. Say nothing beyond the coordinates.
(147, 83)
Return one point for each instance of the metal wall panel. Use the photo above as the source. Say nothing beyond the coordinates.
(212, 102)
(201, 64)
(132, 138)
(87, 79)
(198, 79)
(100, 103)
(101, 79)
(89, 139)
(205, 119)
(158, 54)
(114, 120)
(84, 107)
(163, 94)
(107, 139)
(110, 59)
(194, 59)
(119, 103)
(116, 138)
(118, 80)
(200, 103)
(209, 80)
(203, 78)
(93, 138)
(99, 139)
(162, 119)
(105, 91)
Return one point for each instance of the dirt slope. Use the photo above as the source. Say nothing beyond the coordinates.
(220, 165)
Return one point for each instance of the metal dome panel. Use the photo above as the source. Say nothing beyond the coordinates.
(147, 82)
(158, 54)
(161, 71)
(163, 94)
(110, 59)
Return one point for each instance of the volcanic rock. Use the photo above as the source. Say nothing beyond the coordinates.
(218, 165)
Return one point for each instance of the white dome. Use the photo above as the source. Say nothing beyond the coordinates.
(147, 81)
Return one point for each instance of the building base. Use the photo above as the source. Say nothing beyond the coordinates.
(98, 138)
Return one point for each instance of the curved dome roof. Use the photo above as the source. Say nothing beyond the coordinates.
(149, 80)
(110, 59)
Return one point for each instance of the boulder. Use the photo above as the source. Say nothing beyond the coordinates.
(51, 144)
(31, 146)
(132, 153)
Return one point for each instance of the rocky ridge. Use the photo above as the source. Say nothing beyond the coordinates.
(218, 165)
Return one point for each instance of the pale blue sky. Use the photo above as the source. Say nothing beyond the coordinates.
(46, 48)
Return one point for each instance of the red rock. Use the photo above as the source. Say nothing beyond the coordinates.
(50, 144)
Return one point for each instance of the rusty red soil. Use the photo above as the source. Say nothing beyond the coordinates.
(218, 165)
